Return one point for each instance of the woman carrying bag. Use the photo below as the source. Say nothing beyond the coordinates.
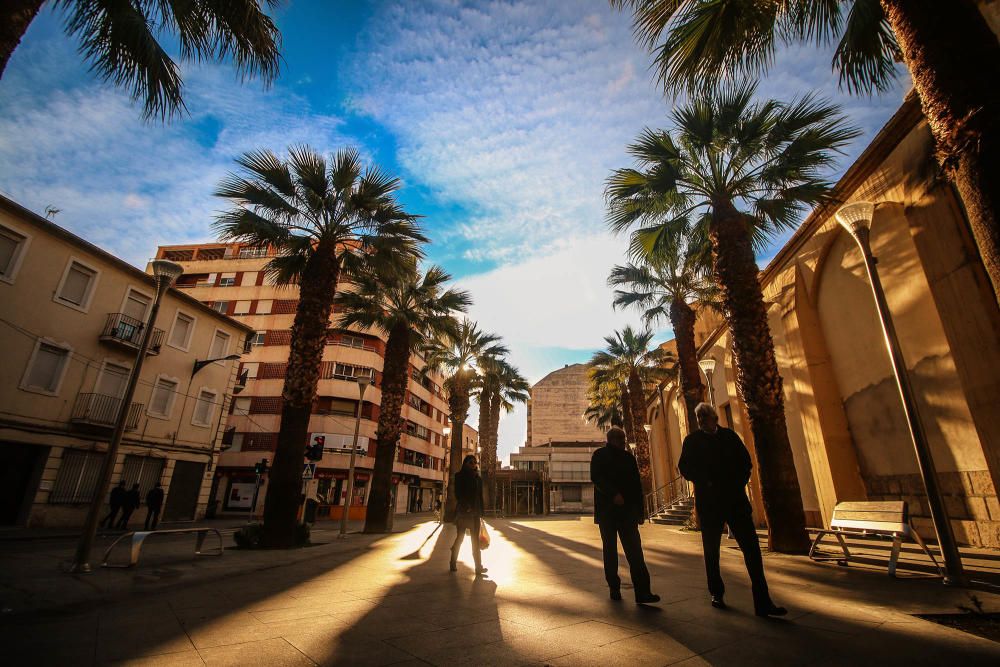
(469, 512)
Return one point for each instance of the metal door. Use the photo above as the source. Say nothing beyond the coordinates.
(182, 496)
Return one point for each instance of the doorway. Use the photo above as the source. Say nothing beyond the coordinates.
(182, 496)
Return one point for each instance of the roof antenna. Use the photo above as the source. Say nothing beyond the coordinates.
(51, 212)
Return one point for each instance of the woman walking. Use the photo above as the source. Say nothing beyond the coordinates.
(469, 492)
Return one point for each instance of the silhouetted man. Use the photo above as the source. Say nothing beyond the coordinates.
(115, 501)
(618, 511)
(129, 504)
(154, 501)
(716, 460)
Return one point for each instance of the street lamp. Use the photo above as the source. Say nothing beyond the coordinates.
(164, 275)
(363, 382)
(201, 363)
(856, 218)
(708, 368)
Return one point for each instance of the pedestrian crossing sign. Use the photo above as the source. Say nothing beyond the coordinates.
(308, 470)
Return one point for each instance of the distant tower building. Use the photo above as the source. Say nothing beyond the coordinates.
(555, 411)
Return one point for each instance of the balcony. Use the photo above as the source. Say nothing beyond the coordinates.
(101, 410)
(126, 331)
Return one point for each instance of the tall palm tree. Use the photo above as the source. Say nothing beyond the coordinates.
(411, 310)
(745, 170)
(310, 211)
(119, 40)
(669, 284)
(455, 355)
(501, 386)
(628, 355)
(609, 399)
(951, 52)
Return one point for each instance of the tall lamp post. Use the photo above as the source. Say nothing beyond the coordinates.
(164, 274)
(856, 218)
(363, 383)
(708, 368)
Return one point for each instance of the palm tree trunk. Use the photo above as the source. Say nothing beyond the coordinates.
(15, 17)
(485, 403)
(490, 451)
(954, 60)
(627, 424)
(312, 319)
(682, 318)
(637, 397)
(458, 403)
(758, 379)
(395, 376)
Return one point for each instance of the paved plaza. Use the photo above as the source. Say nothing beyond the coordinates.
(381, 600)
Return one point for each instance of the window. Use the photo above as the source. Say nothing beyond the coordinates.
(349, 372)
(46, 368)
(12, 248)
(204, 408)
(181, 331)
(220, 345)
(220, 306)
(161, 401)
(249, 279)
(227, 280)
(264, 307)
(76, 286)
(571, 494)
(112, 380)
(251, 368)
(258, 338)
(352, 341)
(242, 308)
(136, 305)
(249, 253)
(76, 481)
(241, 406)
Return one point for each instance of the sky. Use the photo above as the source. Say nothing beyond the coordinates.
(502, 119)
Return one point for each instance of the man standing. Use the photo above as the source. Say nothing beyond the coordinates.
(717, 462)
(131, 502)
(154, 501)
(618, 511)
(115, 501)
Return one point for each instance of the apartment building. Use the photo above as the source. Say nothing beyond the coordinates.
(231, 280)
(71, 321)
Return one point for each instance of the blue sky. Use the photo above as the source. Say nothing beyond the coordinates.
(501, 118)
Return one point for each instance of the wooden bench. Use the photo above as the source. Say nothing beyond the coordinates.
(875, 519)
(138, 539)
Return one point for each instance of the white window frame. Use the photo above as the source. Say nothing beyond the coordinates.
(215, 306)
(238, 400)
(211, 407)
(19, 253)
(170, 401)
(85, 306)
(170, 336)
(242, 310)
(262, 309)
(211, 344)
(113, 362)
(252, 368)
(253, 338)
(24, 386)
(128, 291)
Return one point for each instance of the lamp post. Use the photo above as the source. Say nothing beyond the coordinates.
(708, 368)
(856, 218)
(363, 383)
(164, 274)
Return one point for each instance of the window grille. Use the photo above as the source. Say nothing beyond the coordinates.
(76, 480)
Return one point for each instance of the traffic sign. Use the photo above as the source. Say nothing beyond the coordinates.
(308, 470)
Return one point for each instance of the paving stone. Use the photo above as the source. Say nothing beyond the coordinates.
(265, 653)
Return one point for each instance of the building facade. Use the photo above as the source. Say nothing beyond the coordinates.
(230, 279)
(556, 407)
(71, 320)
(564, 470)
(849, 436)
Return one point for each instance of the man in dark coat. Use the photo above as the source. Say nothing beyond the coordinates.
(618, 511)
(469, 512)
(717, 462)
(154, 501)
(115, 501)
(131, 502)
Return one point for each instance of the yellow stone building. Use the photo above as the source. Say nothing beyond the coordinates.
(848, 431)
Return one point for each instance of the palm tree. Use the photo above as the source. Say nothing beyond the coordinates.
(744, 170)
(501, 385)
(604, 406)
(410, 309)
(628, 355)
(951, 52)
(455, 355)
(119, 40)
(310, 211)
(670, 284)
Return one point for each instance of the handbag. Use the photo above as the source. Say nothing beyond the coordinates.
(484, 536)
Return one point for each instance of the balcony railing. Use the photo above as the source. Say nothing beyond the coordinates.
(102, 410)
(127, 331)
